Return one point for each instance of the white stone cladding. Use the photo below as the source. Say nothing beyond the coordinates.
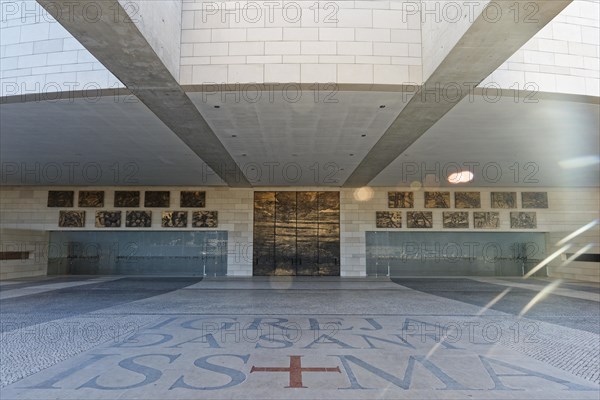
(564, 57)
(365, 42)
(24, 240)
(37, 55)
(303, 41)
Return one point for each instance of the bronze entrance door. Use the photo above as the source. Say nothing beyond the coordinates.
(297, 233)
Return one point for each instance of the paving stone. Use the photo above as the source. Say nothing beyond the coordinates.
(252, 339)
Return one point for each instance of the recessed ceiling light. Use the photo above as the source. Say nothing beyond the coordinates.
(460, 177)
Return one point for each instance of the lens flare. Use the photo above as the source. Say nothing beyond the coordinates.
(543, 293)
(493, 301)
(546, 261)
(577, 254)
(363, 194)
(577, 232)
(416, 185)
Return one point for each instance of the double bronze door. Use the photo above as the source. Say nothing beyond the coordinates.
(297, 233)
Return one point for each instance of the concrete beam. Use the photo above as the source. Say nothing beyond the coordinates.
(160, 23)
(106, 31)
(488, 43)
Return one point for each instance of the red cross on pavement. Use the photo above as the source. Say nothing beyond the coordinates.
(295, 369)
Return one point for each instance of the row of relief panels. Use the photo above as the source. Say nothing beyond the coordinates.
(139, 219)
(197, 199)
(127, 198)
(469, 199)
(455, 219)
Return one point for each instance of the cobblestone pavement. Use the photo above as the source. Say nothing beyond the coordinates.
(560, 310)
(42, 329)
(170, 338)
(34, 282)
(572, 350)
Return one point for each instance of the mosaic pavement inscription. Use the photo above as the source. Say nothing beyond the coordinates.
(175, 343)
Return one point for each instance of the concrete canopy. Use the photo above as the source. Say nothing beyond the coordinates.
(367, 136)
(479, 52)
(112, 131)
(116, 42)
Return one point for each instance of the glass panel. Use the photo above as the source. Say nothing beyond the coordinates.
(379, 254)
(454, 253)
(140, 253)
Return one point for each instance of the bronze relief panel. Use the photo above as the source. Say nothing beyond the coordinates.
(60, 198)
(329, 233)
(264, 233)
(307, 229)
(285, 233)
(296, 233)
(127, 198)
(88, 198)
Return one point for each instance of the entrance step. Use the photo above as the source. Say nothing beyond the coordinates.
(295, 283)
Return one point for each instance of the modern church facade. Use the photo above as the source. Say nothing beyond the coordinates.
(348, 232)
(339, 138)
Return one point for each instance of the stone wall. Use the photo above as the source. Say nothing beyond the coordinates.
(38, 55)
(562, 58)
(366, 42)
(350, 42)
